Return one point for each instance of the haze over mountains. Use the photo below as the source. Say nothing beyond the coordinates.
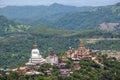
(63, 16)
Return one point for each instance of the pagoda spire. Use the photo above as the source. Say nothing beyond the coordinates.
(81, 43)
(35, 44)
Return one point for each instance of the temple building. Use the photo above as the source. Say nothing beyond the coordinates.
(80, 53)
(36, 57)
(52, 59)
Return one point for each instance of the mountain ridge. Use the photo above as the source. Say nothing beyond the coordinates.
(30, 14)
(64, 17)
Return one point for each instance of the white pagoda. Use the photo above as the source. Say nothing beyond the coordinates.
(36, 58)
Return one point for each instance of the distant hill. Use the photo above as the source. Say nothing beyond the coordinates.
(64, 17)
(39, 14)
(9, 26)
(90, 19)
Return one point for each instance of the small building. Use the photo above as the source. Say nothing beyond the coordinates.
(65, 72)
(48, 72)
(76, 66)
(33, 72)
(52, 59)
(61, 64)
(14, 70)
(64, 58)
(22, 70)
(7, 73)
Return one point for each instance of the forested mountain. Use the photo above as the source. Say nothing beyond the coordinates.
(39, 14)
(64, 17)
(9, 26)
(90, 19)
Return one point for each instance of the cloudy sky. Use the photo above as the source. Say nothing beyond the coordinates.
(66, 2)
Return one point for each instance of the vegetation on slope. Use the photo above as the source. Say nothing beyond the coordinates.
(9, 26)
(64, 17)
(16, 45)
(39, 14)
(88, 70)
(89, 19)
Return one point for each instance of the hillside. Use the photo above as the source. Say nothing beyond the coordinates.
(39, 14)
(90, 19)
(17, 41)
(87, 69)
(9, 26)
(64, 17)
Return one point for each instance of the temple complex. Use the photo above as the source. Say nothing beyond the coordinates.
(36, 58)
(80, 53)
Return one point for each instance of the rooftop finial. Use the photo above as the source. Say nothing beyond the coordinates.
(35, 45)
(81, 43)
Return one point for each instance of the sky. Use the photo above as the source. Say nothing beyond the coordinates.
(65, 2)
